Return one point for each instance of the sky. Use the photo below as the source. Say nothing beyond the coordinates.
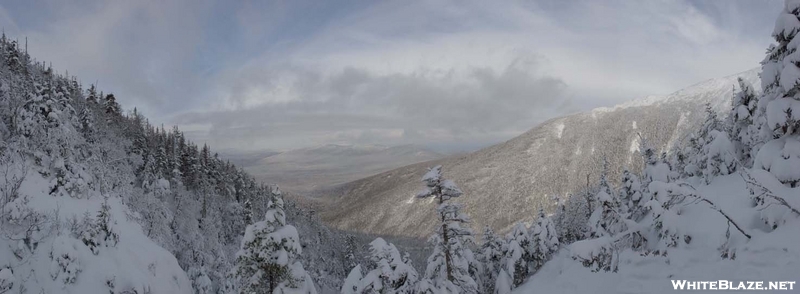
(452, 76)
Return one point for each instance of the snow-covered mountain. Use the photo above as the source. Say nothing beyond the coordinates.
(308, 169)
(509, 182)
(94, 199)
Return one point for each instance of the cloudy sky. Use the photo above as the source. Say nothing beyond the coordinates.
(450, 75)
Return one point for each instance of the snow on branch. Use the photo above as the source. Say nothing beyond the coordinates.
(759, 191)
(699, 198)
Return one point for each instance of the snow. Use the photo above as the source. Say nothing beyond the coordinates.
(633, 125)
(503, 284)
(777, 109)
(351, 284)
(768, 256)
(560, 129)
(60, 262)
(781, 157)
(6, 280)
(786, 24)
(433, 175)
(645, 101)
(634, 145)
(791, 5)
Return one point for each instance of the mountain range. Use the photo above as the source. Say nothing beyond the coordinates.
(508, 182)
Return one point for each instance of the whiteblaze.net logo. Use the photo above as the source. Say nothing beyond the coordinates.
(732, 285)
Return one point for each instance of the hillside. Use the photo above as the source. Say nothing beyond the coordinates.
(771, 255)
(94, 199)
(310, 169)
(519, 176)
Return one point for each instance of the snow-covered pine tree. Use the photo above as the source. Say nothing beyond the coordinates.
(607, 219)
(574, 217)
(654, 169)
(544, 240)
(492, 253)
(504, 284)
(352, 284)
(664, 217)
(101, 232)
(714, 154)
(718, 156)
(266, 262)
(776, 120)
(520, 254)
(742, 134)
(601, 253)
(390, 273)
(630, 193)
(449, 265)
(779, 107)
(691, 151)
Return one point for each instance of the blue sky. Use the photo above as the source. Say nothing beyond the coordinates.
(452, 75)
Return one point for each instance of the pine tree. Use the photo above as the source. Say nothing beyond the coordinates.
(544, 241)
(101, 232)
(504, 284)
(266, 262)
(352, 284)
(492, 253)
(742, 134)
(712, 154)
(718, 156)
(630, 194)
(390, 274)
(606, 220)
(515, 265)
(655, 169)
(449, 266)
(778, 116)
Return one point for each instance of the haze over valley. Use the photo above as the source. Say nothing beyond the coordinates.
(399, 147)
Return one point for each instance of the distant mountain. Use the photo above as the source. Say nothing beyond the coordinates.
(307, 170)
(245, 158)
(509, 182)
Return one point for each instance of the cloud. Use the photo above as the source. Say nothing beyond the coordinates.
(357, 105)
(142, 50)
(450, 74)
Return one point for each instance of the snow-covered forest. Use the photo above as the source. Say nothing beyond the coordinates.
(96, 199)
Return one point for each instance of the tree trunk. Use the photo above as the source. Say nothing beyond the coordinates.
(446, 239)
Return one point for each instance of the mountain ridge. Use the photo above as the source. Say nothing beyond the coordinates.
(522, 174)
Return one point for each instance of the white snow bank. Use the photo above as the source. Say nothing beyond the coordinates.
(768, 256)
(55, 260)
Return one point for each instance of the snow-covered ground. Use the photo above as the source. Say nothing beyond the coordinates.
(47, 254)
(768, 256)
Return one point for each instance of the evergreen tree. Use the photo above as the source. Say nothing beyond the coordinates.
(778, 116)
(742, 134)
(718, 156)
(390, 274)
(449, 265)
(630, 194)
(266, 262)
(101, 232)
(606, 220)
(712, 153)
(503, 285)
(493, 252)
(352, 284)
(544, 241)
(522, 265)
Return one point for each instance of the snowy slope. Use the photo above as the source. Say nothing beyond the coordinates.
(58, 261)
(519, 176)
(768, 256)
